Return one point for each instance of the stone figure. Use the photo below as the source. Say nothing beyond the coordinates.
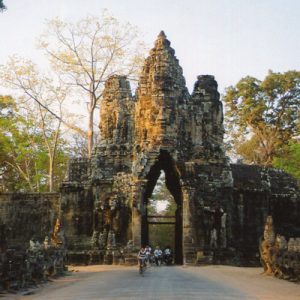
(111, 240)
(266, 246)
(269, 234)
(34, 245)
(46, 243)
(94, 240)
(223, 241)
(291, 244)
(213, 238)
(57, 238)
(102, 241)
(281, 242)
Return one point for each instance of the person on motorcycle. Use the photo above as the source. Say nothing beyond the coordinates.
(168, 258)
(157, 256)
(148, 253)
(142, 258)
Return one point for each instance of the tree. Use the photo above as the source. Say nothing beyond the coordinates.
(45, 97)
(263, 116)
(24, 157)
(162, 203)
(88, 52)
(289, 159)
(2, 6)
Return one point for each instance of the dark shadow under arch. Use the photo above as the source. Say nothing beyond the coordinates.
(166, 163)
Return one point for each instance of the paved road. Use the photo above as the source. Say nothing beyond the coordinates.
(205, 283)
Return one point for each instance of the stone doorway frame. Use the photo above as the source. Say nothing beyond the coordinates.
(166, 163)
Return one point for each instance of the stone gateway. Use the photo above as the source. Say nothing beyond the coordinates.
(221, 207)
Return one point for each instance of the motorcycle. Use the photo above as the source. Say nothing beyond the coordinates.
(168, 257)
(158, 260)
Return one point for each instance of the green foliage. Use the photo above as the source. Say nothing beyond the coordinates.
(24, 159)
(162, 203)
(263, 116)
(289, 159)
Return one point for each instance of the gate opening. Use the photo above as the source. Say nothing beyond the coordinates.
(164, 229)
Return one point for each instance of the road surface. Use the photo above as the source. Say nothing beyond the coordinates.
(174, 282)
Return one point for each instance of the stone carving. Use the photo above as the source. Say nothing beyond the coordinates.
(266, 246)
(46, 243)
(281, 242)
(223, 231)
(278, 257)
(34, 245)
(111, 240)
(269, 234)
(57, 238)
(163, 127)
(213, 238)
(95, 240)
(102, 241)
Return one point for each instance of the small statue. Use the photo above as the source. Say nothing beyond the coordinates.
(291, 244)
(213, 238)
(223, 231)
(94, 239)
(281, 242)
(267, 246)
(34, 245)
(101, 241)
(46, 243)
(269, 234)
(57, 238)
(110, 240)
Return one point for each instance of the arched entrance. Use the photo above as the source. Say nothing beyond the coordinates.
(167, 164)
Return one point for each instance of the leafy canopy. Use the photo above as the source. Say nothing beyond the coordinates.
(263, 116)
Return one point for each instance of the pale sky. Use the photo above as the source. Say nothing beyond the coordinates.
(225, 38)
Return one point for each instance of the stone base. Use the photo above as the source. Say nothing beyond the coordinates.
(85, 257)
(131, 259)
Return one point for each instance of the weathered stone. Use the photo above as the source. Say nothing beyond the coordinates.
(280, 258)
(221, 207)
(164, 128)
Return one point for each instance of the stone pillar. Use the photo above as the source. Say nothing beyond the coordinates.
(137, 207)
(136, 227)
(189, 251)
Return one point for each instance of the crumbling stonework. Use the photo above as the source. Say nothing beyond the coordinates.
(21, 268)
(221, 208)
(27, 216)
(279, 257)
(164, 128)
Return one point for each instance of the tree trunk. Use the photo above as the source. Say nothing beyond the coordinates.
(51, 173)
(90, 132)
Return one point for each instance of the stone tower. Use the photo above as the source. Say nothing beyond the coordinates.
(164, 128)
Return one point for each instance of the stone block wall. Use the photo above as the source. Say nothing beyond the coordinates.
(257, 193)
(27, 215)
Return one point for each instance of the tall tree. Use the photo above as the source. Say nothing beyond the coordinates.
(45, 97)
(24, 156)
(88, 52)
(263, 116)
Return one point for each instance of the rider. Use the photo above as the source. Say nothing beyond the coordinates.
(168, 255)
(148, 253)
(157, 255)
(142, 256)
